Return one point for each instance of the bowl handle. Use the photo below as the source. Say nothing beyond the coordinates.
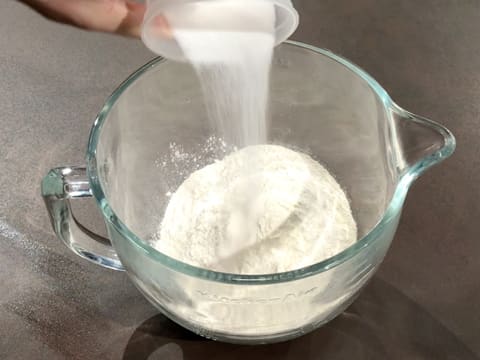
(58, 187)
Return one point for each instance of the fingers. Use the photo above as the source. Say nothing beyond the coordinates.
(115, 16)
(132, 22)
(49, 10)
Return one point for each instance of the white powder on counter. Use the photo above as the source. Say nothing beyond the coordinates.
(294, 215)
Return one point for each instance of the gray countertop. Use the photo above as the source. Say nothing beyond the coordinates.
(423, 304)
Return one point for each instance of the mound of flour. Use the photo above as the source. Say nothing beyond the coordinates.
(284, 213)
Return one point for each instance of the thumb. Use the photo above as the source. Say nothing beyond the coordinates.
(132, 23)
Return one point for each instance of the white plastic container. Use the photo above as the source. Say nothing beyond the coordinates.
(218, 15)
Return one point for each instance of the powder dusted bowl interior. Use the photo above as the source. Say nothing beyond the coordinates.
(154, 132)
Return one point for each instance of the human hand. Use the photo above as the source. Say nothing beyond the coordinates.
(115, 16)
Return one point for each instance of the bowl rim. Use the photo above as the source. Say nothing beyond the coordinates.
(391, 214)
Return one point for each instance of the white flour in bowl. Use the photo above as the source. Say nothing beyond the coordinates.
(263, 209)
(285, 213)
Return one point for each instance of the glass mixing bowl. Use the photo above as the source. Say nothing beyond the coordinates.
(154, 131)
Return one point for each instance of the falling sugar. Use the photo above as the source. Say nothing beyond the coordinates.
(233, 65)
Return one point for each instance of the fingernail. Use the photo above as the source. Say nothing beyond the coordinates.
(161, 27)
